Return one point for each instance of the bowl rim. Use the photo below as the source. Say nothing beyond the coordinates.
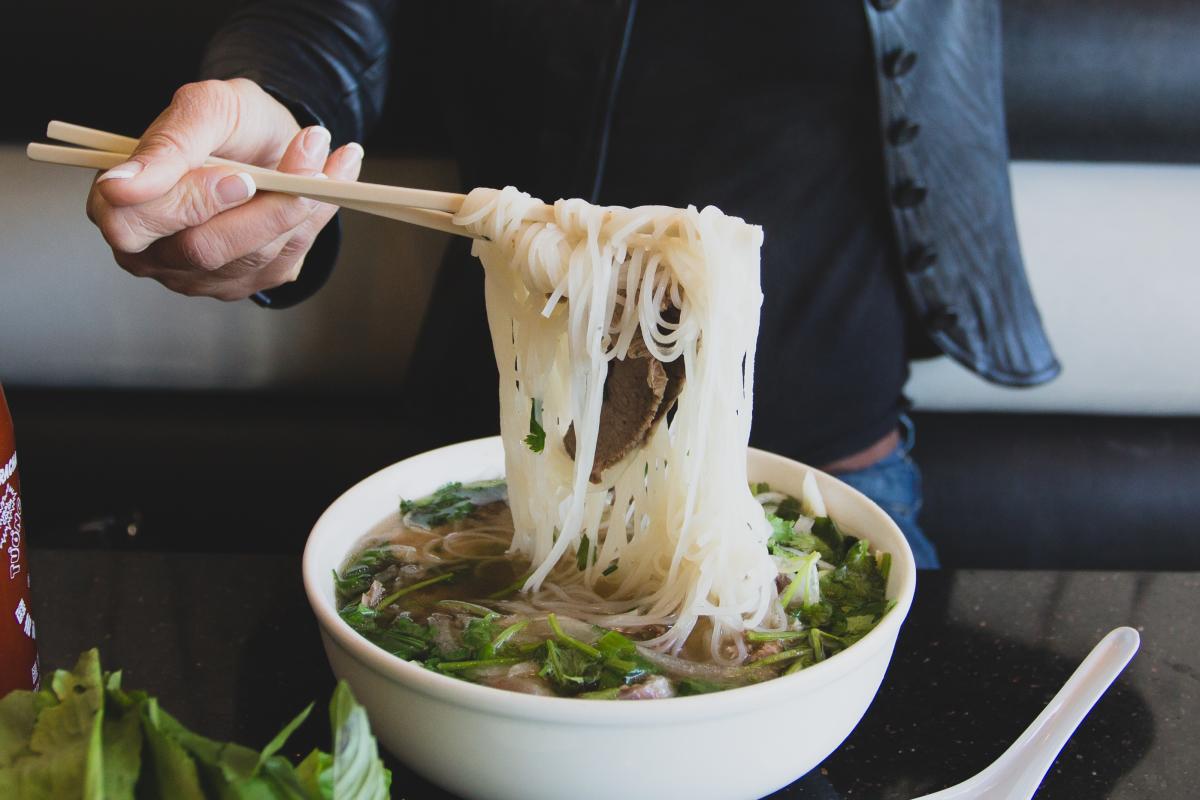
(672, 710)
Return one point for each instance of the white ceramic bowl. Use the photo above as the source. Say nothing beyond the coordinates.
(481, 742)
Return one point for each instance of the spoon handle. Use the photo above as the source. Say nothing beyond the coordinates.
(1018, 772)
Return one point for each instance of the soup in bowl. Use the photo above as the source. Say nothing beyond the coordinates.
(479, 741)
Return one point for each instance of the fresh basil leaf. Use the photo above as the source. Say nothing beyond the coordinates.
(281, 738)
(357, 770)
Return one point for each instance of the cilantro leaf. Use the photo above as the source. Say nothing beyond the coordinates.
(398, 635)
(536, 440)
(789, 509)
(569, 668)
(357, 576)
(452, 502)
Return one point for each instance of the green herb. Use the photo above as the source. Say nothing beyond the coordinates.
(621, 656)
(497, 644)
(400, 635)
(87, 737)
(452, 502)
(569, 668)
(690, 686)
(789, 509)
(783, 655)
(781, 532)
(610, 569)
(536, 440)
(396, 595)
(773, 636)
(759, 488)
(479, 633)
(458, 666)
(569, 640)
(610, 693)
(827, 531)
(464, 607)
(581, 555)
(357, 576)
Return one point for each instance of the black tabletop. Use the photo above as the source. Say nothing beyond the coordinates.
(228, 644)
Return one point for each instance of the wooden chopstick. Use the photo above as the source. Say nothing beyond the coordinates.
(424, 207)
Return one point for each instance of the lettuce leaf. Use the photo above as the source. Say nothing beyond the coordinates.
(86, 737)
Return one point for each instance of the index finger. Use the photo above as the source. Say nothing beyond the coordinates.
(200, 118)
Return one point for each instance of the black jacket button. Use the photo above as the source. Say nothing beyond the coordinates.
(908, 193)
(902, 131)
(899, 62)
(941, 319)
(920, 259)
(885, 5)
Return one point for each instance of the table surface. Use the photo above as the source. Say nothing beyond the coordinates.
(228, 644)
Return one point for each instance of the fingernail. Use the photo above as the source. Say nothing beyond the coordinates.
(355, 152)
(122, 171)
(316, 142)
(235, 188)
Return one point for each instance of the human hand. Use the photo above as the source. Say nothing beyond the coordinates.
(202, 231)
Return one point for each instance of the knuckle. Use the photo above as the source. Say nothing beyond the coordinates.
(159, 142)
(287, 214)
(195, 92)
(190, 206)
(120, 236)
(200, 250)
(259, 258)
(201, 97)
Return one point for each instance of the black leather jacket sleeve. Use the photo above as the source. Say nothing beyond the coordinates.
(328, 62)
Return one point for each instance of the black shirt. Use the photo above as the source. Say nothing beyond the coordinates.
(768, 111)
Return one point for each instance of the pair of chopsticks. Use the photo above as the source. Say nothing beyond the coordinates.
(424, 207)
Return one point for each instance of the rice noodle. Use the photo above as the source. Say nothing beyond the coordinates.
(677, 514)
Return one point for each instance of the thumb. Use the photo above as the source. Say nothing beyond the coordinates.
(199, 119)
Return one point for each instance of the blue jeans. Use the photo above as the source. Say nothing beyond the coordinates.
(894, 482)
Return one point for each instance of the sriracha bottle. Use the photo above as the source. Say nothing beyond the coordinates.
(18, 648)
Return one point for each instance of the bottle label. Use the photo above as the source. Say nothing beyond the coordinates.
(18, 632)
(10, 519)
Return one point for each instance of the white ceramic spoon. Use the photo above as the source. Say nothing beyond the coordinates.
(1017, 773)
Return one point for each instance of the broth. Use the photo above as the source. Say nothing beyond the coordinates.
(436, 585)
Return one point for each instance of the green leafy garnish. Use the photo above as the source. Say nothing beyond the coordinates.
(400, 635)
(690, 686)
(475, 663)
(789, 509)
(581, 555)
(826, 531)
(412, 587)
(357, 576)
(568, 667)
(87, 737)
(536, 440)
(569, 640)
(452, 502)
(496, 645)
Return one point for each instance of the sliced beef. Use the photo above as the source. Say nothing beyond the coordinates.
(656, 687)
(638, 393)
